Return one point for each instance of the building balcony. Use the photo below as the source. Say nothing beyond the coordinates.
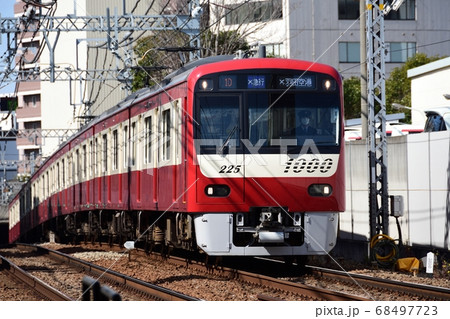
(29, 139)
(29, 86)
(29, 112)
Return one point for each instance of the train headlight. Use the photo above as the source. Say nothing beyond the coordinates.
(321, 190)
(205, 85)
(329, 85)
(217, 190)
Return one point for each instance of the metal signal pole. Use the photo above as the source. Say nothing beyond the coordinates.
(376, 96)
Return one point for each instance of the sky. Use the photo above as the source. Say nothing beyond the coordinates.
(6, 11)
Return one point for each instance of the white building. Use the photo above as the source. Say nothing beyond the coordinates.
(430, 84)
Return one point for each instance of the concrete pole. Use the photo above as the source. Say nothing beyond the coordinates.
(363, 59)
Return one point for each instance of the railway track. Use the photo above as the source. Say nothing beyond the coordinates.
(32, 283)
(273, 285)
(277, 286)
(69, 273)
(306, 291)
(421, 291)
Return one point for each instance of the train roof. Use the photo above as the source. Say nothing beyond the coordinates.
(172, 79)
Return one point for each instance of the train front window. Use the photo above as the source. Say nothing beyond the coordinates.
(294, 118)
(219, 121)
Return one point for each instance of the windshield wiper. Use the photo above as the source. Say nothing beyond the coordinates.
(227, 140)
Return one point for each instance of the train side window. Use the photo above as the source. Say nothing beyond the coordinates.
(125, 146)
(133, 137)
(115, 141)
(166, 123)
(47, 190)
(97, 157)
(84, 164)
(42, 187)
(77, 166)
(105, 153)
(63, 175)
(91, 159)
(58, 177)
(148, 140)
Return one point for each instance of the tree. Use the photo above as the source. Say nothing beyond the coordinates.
(398, 88)
(352, 98)
(217, 37)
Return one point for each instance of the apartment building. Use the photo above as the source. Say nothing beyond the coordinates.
(328, 31)
(50, 111)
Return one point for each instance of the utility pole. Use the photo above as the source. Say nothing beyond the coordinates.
(376, 98)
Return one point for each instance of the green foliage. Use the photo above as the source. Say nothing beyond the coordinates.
(352, 98)
(398, 88)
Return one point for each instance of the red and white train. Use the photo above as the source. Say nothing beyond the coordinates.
(211, 159)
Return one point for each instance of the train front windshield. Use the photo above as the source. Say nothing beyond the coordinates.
(267, 111)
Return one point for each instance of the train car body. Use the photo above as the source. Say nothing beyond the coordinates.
(213, 158)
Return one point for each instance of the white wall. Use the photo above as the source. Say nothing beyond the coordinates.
(418, 170)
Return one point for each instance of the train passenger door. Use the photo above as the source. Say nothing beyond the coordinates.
(219, 149)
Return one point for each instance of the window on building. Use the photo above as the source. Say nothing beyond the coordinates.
(348, 9)
(399, 52)
(276, 50)
(254, 11)
(31, 100)
(32, 125)
(32, 48)
(349, 52)
(407, 11)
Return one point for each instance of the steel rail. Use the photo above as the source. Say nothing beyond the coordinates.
(311, 292)
(156, 292)
(31, 281)
(438, 293)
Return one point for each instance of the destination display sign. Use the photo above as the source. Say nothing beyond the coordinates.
(266, 81)
(296, 82)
